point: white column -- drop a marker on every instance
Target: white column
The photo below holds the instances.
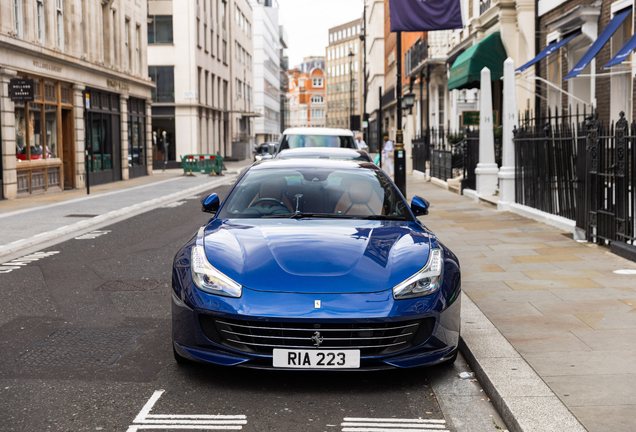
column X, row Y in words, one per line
column 123, row 109
column 7, row 145
column 507, row 171
column 486, row 171
column 80, row 131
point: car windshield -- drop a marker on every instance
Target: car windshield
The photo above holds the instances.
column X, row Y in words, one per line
column 315, row 192
column 300, row 141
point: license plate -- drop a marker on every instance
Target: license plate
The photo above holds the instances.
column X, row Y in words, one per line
column 317, row 359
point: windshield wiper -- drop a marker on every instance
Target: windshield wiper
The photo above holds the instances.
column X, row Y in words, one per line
column 299, row 215
column 383, row 217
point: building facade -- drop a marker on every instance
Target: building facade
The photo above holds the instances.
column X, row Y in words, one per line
column 284, row 66
column 89, row 109
column 267, row 70
column 579, row 24
column 306, row 95
column 374, row 41
column 200, row 57
column 344, row 57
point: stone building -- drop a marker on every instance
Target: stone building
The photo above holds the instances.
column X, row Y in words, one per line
column 344, row 76
column 91, row 93
column 200, row 57
column 375, row 66
column 306, row 94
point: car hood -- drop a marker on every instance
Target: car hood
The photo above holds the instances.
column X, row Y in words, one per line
column 316, row 255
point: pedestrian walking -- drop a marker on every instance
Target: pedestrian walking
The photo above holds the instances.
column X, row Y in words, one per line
column 387, row 156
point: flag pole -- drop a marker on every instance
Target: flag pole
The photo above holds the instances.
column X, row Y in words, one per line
column 399, row 154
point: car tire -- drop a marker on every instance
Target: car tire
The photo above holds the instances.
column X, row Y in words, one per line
column 179, row 358
column 451, row 360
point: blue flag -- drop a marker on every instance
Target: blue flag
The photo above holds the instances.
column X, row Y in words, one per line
column 425, row 15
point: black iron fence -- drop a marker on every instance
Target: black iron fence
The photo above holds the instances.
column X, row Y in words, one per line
column 574, row 166
column 471, row 159
column 421, row 153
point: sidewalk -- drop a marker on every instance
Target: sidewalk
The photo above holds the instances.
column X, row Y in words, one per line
column 34, row 221
column 557, row 301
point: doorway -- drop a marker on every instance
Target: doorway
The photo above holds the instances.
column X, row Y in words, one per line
column 68, row 148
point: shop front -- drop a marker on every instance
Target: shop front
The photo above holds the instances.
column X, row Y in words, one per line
column 44, row 138
column 137, row 158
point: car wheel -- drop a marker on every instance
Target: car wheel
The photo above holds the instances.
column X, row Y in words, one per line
column 179, row 358
column 451, row 360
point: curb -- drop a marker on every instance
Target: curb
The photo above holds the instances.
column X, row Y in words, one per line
column 20, row 247
column 522, row 399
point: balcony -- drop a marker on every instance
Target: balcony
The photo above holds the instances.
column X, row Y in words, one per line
column 484, row 5
column 415, row 55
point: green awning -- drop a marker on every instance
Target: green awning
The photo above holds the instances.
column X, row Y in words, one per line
column 466, row 71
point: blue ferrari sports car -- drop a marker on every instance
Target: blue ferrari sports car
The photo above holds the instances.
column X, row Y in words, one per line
column 315, row 264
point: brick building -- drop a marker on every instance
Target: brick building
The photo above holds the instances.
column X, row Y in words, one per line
column 579, row 23
column 306, row 95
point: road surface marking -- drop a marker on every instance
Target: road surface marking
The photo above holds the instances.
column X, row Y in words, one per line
column 358, row 424
column 18, row 263
column 145, row 420
column 92, row 235
column 174, row 204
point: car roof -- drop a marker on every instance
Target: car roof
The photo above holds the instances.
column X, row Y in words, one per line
column 318, row 131
column 322, row 151
column 284, row 164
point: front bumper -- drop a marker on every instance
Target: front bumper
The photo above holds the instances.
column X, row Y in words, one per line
column 190, row 340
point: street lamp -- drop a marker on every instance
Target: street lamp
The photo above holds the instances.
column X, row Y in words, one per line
column 408, row 100
column 350, row 87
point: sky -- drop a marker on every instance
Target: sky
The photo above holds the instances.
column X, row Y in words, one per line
column 307, row 23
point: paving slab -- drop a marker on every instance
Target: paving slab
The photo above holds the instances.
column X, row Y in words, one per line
column 568, row 320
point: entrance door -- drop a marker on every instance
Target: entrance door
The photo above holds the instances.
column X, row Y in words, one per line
column 68, row 148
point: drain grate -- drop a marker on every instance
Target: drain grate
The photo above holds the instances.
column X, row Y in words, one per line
column 82, row 215
column 81, row 347
column 131, row 285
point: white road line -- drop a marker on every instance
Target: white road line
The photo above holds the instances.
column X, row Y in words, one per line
column 382, row 429
column 405, row 425
column 392, row 420
column 194, row 422
column 146, row 409
column 146, row 420
column 135, row 428
column 196, row 416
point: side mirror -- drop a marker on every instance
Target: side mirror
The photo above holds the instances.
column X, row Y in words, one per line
column 271, row 149
column 419, row 206
column 210, row 204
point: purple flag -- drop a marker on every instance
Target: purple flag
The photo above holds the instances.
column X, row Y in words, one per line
column 425, row 15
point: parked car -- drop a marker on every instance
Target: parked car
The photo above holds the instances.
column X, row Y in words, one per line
column 315, row 264
column 325, row 153
column 264, row 151
column 316, row 137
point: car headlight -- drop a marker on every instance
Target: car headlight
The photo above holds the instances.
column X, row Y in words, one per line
column 209, row 279
column 424, row 282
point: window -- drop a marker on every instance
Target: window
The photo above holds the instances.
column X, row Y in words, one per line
column 317, row 99
column 355, row 66
column 82, row 29
column 59, row 16
column 330, row 37
column 207, row 100
column 358, row 29
column 160, row 29
column 212, row 90
column 205, row 37
column 317, row 82
column 355, row 48
column 198, row 32
column 39, row 10
column 346, row 65
column 17, row 17
column 163, row 77
column 237, row 14
column 138, row 49
column 127, row 44
column 303, row 113
column 212, row 42
column 339, row 34
column 224, row 52
column 349, row 32
column 223, row 13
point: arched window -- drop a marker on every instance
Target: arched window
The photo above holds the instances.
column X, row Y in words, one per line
column 317, row 99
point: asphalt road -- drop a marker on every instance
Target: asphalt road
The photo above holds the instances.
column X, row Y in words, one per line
column 85, row 344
